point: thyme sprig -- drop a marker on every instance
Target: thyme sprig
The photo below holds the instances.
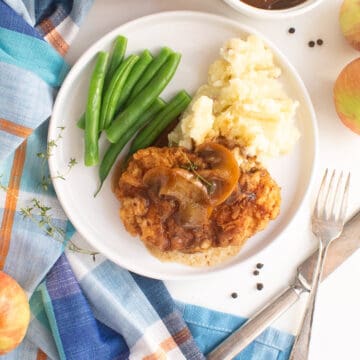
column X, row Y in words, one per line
column 47, row 179
column 192, row 167
column 51, row 145
column 2, row 186
column 40, row 215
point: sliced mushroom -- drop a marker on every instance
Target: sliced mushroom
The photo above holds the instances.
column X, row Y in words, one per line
column 224, row 171
column 194, row 205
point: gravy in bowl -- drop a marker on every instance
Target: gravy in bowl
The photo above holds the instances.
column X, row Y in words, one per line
column 273, row 4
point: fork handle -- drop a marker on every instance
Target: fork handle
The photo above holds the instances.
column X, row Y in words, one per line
column 300, row 350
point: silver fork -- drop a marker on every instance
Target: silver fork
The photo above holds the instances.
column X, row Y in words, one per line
column 327, row 224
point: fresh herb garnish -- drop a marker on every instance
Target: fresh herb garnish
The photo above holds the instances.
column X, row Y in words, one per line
column 2, row 186
column 192, row 167
column 72, row 162
column 51, row 145
column 40, row 215
column 46, row 179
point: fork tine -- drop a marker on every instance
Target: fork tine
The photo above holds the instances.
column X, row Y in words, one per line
column 336, row 199
column 329, row 195
column 319, row 201
column 344, row 201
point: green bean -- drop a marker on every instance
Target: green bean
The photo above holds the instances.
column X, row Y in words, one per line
column 117, row 56
column 114, row 149
column 143, row 100
column 112, row 93
column 150, row 72
column 145, row 59
column 93, row 105
column 154, row 128
column 81, row 122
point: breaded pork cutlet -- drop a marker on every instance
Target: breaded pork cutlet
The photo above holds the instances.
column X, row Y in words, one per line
column 207, row 236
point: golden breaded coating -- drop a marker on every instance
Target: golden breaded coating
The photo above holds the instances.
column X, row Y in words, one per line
column 253, row 203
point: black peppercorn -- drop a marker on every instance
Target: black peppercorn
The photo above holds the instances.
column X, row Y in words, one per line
column 291, row 30
column 259, row 286
column 319, row 41
column 234, row 295
column 311, row 43
column 256, row 272
column 259, row 265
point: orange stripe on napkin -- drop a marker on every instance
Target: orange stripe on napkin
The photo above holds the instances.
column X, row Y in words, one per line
column 10, row 202
column 41, row 355
column 158, row 355
column 169, row 344
column 14, row 129
column 53, row 37
column 182, row 336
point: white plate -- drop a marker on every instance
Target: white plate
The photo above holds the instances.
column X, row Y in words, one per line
column 198, row 37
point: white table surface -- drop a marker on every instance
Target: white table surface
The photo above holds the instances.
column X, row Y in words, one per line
column 336, row 331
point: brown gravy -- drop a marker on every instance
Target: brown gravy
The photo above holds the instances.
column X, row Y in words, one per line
column 273, row 4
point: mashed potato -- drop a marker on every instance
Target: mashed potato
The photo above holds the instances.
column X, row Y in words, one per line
column 242, row 101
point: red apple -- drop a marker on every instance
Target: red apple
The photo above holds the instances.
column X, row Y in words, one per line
column 350, row 22
column 347, row 96
column 14, row 313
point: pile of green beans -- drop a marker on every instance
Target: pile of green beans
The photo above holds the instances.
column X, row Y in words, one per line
column 144, row 99
column 123, row 99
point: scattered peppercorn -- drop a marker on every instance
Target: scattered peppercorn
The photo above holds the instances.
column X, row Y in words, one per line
column 320, row 41
column 234, row 295
column 311, row 43
column 256, row 272
column 259, row 286
column 291, row 30
column 259, row 265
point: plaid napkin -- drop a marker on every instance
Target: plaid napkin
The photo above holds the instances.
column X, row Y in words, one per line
column 82, row 307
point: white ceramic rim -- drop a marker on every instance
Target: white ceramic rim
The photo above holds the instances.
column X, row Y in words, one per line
column 84, row 59
column 253, row 11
